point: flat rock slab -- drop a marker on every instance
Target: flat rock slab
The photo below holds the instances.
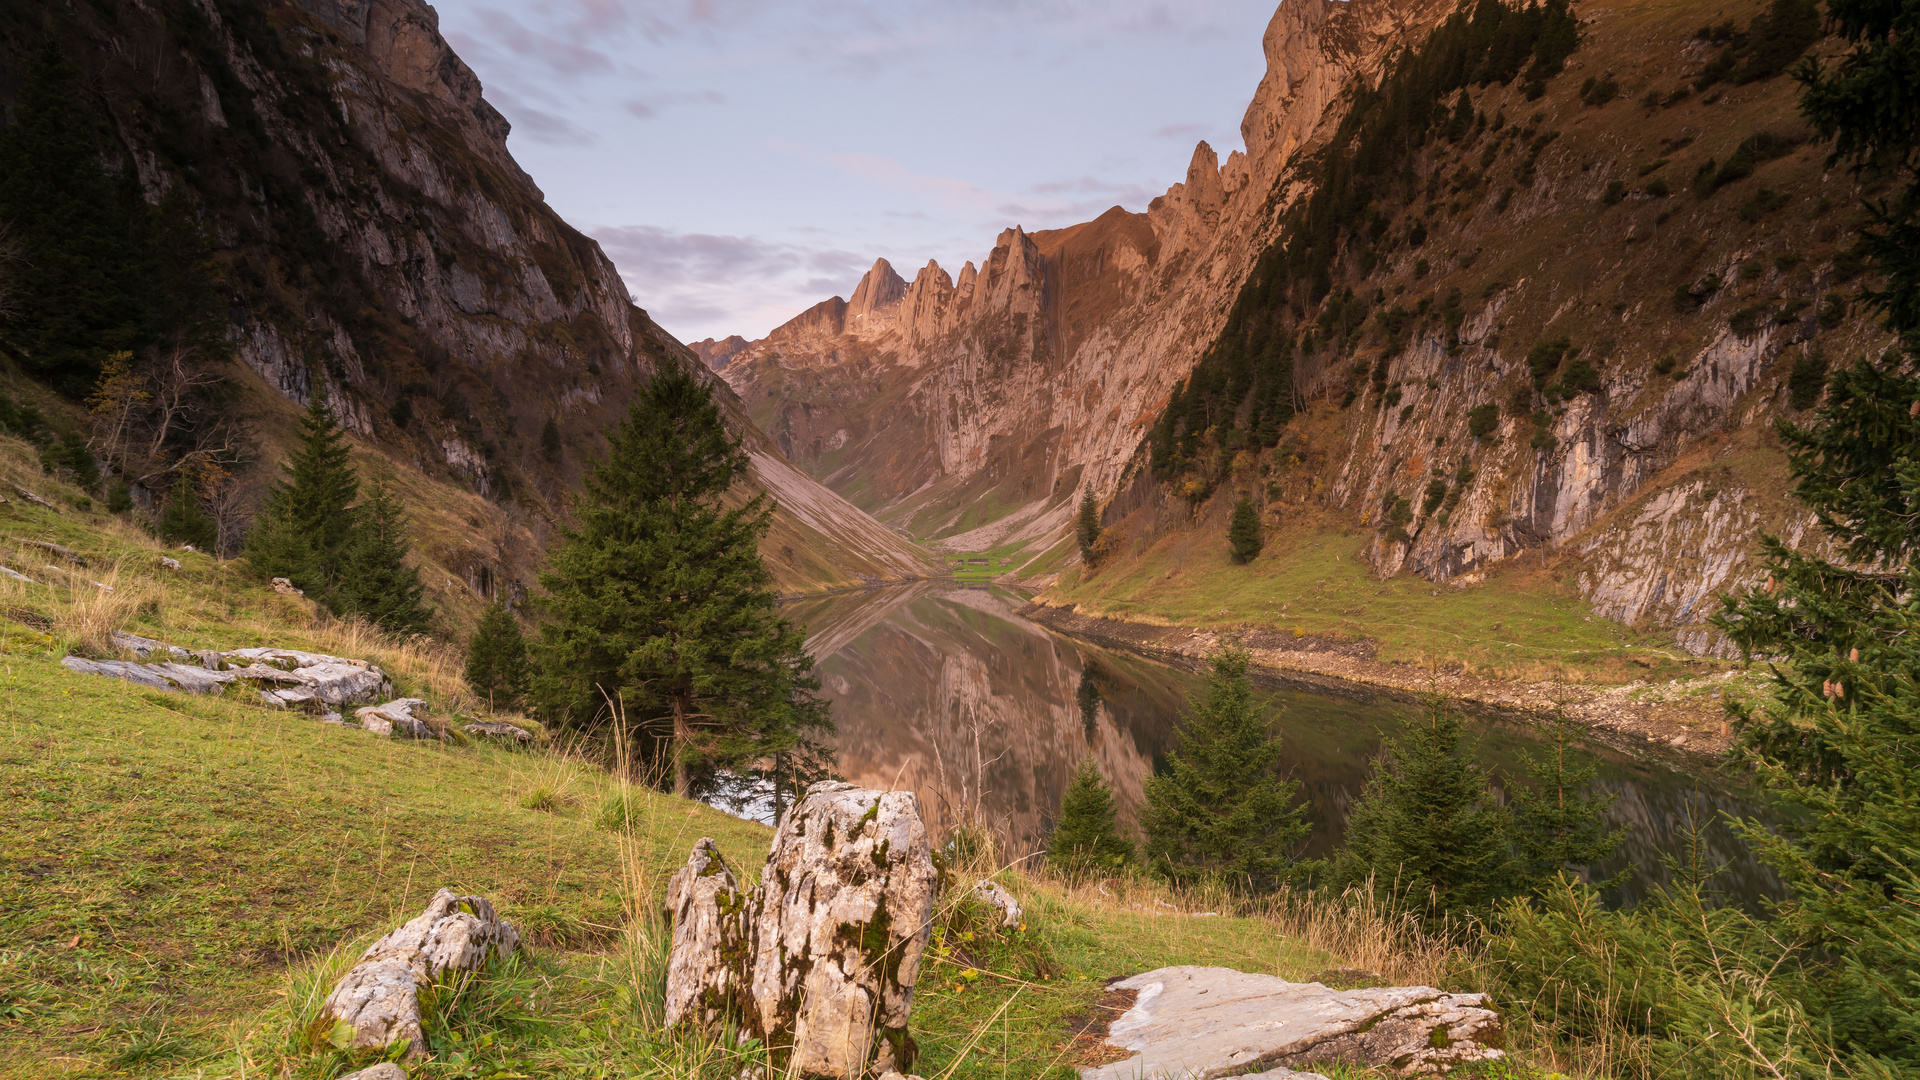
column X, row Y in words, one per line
column 1199, row 1023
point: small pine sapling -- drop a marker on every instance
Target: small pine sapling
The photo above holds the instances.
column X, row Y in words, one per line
column 1086, row 840
column 497, row 659
column 1243, row 533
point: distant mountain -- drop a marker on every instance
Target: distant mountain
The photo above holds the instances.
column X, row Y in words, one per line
column 715, row 354
column 1558, row 310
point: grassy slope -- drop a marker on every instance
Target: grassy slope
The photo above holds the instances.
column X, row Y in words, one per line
column 1525, row 620
column 181, row 877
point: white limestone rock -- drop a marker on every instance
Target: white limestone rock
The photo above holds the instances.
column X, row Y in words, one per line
column 822, row 957
column 845, row 906
column 380, row 997
column 395, row 716
column 1207, row 1022
column 706, row 968
column 990, row 892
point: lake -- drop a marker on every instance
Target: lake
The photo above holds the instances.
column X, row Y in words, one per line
column 946, row 691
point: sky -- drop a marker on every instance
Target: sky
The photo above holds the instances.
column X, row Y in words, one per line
column 742, row 160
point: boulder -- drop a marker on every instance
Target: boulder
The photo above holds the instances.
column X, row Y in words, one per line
column 1206, row 1022
column 334, row 680
column 706, row 969
column 990, row 892
column 825, row 951
column 144, row 647
column 287, row 588
column 386, row 1070
column 379, row 999
column 163, row 676
column 497, row 729
column 396, row 715
column 845, row 906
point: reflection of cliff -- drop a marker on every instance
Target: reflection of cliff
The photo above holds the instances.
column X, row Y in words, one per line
column 947, row 694
column 954, row 698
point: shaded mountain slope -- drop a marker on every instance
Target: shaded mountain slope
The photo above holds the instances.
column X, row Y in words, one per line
column 372, row 236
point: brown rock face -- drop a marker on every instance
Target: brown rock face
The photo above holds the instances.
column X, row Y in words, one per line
column 1015, row 384
column 974, row 418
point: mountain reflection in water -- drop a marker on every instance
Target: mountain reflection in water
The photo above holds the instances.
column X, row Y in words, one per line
column 945, row 691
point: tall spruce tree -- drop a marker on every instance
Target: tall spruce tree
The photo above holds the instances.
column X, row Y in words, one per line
column 306, row 522
column 659, row 601
column 1223, row 808
column 376, row 582
column 1087, row 526
column 1841, row 737
column 1427, row 829
column 1243, row 532
column 1086, row 837
column 497, row 659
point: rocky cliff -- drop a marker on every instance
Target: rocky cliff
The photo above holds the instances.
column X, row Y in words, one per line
column 1562, row 321
column 375, row 238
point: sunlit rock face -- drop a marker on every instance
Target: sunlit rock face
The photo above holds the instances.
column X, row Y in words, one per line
column 972, row 407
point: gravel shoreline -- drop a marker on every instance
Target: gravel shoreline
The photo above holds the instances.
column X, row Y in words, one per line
column 1348, row 669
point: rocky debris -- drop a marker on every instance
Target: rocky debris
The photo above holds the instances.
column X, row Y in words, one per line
column 827, row 948
column 495, row 729
column 1207, row 1022
column 990, row 892
column 379, row 999
column 57, row 550
column 169, row 563
column 396, row 715
column 283, row 586
column 287, row 678
column 144, row 647
column 705, row 976
column 334, row 680
column 34, row 499
column 386, row 1070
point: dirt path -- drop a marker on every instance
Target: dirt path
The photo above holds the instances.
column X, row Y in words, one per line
column 1341, row 667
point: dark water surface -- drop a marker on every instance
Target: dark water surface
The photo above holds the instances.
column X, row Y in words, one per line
column 945, row 691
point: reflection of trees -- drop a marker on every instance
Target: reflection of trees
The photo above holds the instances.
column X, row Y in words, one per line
column 984, row 716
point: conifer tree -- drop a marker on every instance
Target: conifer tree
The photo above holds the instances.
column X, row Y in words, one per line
column 660, row 602
column 306, row 521
column 1086, row 838
column 1841, row 738
column 1243, row 533
column 1560, row 820
column 1087, row 527
column 1222, row 808
column 184, row 522
column 1427, row 828
column 497, row 659
column 375, row 580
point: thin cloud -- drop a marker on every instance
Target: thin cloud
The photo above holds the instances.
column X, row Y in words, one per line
column 699, row 284
column 1182, row 131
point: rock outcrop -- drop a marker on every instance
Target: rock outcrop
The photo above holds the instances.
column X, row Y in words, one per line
column 820, row 959
column 1205, row 1022
column 379, row 999
column 286, row 678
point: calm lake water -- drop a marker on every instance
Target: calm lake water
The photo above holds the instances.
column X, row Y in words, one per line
column 945, row 691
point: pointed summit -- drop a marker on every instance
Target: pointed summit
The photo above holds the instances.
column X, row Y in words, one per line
column 879, row 290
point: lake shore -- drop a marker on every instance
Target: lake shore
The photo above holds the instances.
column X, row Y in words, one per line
column 1632, row 716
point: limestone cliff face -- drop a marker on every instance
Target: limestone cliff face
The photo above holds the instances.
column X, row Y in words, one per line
column 376, row 237
column 974, row 414
column 972, row 410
